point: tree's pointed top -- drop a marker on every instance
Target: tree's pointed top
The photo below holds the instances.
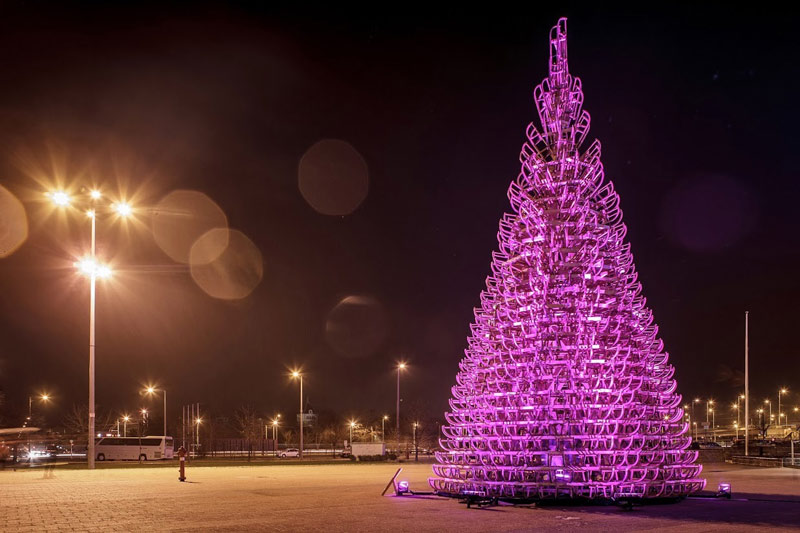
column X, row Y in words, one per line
column 559, row 68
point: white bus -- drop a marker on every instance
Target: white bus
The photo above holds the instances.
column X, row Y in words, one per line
column 133, row 448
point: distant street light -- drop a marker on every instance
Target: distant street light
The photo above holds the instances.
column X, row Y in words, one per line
column 383, row 427
column 352, row 425
column 400, row 366
column 90, row 267
column 781, row 392
column 42, row 397
column 770, row 410
column 275, row 433
column 125, row 419
column 416, row 450
column 297, row 375
column 713, row 426
column 197, row 422
column 152, row 390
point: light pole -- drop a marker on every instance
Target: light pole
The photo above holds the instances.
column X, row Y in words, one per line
column 93, row 270
column 709, row 403
column 780, row 393
column 152, row 390
column 736, row 408
column 44, row 397
column 746, row 383
column 796, row 409
column 400, row 366
column 352, row 425
column 298, row 375
column 416, row 450
column 275, row 434
column 770, row 410
column 125, row 419
column 383, row 427
column 713, row 426
column 197, row 423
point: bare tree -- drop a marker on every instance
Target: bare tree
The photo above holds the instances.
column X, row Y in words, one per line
column 76, row 421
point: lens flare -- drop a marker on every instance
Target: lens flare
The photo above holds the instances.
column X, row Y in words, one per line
column 13, row 223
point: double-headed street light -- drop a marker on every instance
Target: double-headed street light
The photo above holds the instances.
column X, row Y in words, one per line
column 781, row 392
column 298, row 375
column 152, row 390
column 91, row 268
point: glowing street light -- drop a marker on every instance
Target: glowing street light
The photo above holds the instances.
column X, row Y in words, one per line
column 781, row 392
column 416, row 450
column 42, row 397
column 400, row 366
column 91, row 268
column 60, row 198
column 383, row 427
column 123, row 209
column 152, row 390
column 352, row 425
column 297, row 375
column 197, row 422
column 275, row 432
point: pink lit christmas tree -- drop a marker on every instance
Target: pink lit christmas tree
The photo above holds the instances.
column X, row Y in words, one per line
column 565, row 390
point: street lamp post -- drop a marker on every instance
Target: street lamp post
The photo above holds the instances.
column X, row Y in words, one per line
column 352, row 425
column 400, row 366
column 416, row 449
column 43, row 397
column 770, row 410
column 125, row 425
column 709, row 403
column 275, row 434
column 298, row 375
column 713, row 426
column 781, row 392
column 91, row 268
column 383, row 427
column 153, row 390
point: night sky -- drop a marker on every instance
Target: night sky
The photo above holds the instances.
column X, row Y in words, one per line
column 696, row 110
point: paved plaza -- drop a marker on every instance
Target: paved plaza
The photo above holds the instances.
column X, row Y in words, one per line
column 346, row 497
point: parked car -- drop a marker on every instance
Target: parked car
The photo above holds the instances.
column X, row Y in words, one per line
column 709, row 445
column 290, row 452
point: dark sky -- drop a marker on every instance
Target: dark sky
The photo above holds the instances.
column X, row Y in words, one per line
column 696, row 110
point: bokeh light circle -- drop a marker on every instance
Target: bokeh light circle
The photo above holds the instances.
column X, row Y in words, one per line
column 356, row 327
column 234, row 273
column 181, row 218
column 13, row 223
column 333, row 177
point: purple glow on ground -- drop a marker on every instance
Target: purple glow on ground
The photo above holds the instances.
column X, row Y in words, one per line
column 565, row 390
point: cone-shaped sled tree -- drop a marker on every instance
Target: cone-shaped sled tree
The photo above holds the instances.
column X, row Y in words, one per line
column 565, row 390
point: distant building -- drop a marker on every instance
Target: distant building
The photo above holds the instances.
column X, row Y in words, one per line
column 310, row 419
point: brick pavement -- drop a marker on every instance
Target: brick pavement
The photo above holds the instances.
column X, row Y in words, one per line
column 346, row 497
